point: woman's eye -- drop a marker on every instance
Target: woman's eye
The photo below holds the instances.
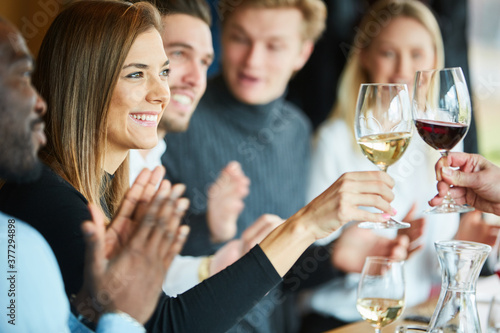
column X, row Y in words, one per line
column 416, row 55
column 165, row 72
column 135, row 75
column 275, row 47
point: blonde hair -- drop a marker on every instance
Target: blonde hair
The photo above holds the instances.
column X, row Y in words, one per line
column 78, row 66
column 313, row 12
column 377, row 17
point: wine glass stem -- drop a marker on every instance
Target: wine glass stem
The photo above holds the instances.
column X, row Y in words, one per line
column 447, row 198
column 377, row 330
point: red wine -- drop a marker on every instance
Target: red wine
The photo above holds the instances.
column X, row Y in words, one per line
column 440, row 135
column 498, row 273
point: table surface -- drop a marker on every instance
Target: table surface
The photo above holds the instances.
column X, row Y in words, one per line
column 486, row 288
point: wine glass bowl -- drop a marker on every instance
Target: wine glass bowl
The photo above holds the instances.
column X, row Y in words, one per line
column 442, row 114
column 383, row 130
column 381, row 291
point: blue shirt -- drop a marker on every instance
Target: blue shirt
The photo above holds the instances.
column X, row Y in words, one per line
column 32, row 297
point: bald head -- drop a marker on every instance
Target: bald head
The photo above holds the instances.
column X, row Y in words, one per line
column 21, row 109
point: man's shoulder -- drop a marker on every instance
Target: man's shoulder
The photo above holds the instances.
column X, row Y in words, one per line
column 26, row 234
column 302, row 117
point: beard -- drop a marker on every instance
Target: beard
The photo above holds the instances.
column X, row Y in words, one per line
column 173, row 125
column 19, row 162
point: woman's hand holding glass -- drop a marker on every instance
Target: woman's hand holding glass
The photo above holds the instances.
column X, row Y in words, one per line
column 383, row 130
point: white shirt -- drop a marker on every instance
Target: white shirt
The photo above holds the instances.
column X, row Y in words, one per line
column 31, row 285
column 183, row 273
column 152, row 160
column 335, row 154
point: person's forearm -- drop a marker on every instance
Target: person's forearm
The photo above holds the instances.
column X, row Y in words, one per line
column 286, row 243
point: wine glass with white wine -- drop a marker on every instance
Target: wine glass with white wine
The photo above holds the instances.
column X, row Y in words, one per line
column 381, row 291
column 383, row 129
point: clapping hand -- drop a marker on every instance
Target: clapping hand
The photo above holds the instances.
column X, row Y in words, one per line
column 125, row 272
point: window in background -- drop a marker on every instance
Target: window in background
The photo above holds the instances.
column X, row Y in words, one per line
column 484, row 55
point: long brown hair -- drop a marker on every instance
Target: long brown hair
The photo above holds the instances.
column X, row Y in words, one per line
column 78, row 66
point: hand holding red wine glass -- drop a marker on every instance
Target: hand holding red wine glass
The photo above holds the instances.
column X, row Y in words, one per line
column 442, row 114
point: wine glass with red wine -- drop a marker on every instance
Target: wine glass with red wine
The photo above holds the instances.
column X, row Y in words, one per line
column 442, row 115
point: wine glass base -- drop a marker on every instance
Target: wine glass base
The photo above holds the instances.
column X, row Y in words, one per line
column 391, row 224
column 449, row 208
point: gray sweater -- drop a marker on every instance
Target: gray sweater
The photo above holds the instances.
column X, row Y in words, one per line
column 272, row 143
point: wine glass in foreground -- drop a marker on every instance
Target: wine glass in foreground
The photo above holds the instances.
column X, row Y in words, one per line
column 442, row 114
column 381, row 291
column 383, row 129
column 495, row 256
column 493, row 325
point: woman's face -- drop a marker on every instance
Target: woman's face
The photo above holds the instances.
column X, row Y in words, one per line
column 140, row 96
column 403, row 47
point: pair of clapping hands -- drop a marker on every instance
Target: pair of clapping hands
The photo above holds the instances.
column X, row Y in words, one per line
column 126, row 263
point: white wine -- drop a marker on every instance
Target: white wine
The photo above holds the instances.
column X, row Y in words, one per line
column 386, row 148
column 379, row 311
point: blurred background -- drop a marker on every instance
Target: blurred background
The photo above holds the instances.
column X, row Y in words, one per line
column 484, row 55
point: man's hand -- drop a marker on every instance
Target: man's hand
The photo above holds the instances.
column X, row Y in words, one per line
column 474, row 229
column 477, row 182
column 415, row 231
column 225, row 202
column 237, row 248
column 129, row 278
column 355, row 244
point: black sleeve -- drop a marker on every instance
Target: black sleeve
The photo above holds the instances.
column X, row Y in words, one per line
column 218, row 303
column 56, row 210
column 312, row 269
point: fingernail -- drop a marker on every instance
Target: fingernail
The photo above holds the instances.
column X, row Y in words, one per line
column 182, row 204
column 177, row 191
column 183, row 230
column 88, row 232
column 447, row 171
column 386, row 216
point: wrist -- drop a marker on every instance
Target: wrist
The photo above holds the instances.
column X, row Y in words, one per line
column 83, row 311
column 204, row 268
column 124, row 317
column 285, row 244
